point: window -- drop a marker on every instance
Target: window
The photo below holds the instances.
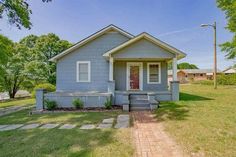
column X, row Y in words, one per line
column 83, row 71
column 153, row 73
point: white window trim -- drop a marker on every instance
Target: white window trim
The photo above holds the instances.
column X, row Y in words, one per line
column 77, row 71
column 140, row 64
column 159, row 65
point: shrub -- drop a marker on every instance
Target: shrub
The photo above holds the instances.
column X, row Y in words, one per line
column 226, row 79
column 221, row 80
column 108, row 104
column 47, row 86
column 79, row 104
column 50, row 105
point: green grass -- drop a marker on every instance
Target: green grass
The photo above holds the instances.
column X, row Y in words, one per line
column 77, row 118
column 203, row 121
column 17, row 102
column 60, row 143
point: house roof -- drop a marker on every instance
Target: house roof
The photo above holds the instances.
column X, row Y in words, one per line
column 150, row 38
column 230, row 70
column 90, row 38
column 194, row 71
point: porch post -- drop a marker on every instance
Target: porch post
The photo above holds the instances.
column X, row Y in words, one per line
column 174, row 69
column 111, row 68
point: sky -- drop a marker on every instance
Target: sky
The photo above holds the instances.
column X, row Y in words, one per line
column 176, row 22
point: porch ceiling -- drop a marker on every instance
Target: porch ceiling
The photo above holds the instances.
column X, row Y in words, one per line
column 143, row 59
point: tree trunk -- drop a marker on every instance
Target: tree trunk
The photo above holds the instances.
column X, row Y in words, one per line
column 12, row 94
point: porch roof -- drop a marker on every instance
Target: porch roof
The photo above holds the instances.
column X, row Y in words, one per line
column 151, row 39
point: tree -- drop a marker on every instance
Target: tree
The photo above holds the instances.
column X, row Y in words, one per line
column 26, row 63
column 186, row 66
column 183, row 65
column 229, row 8
column 41, row 49
column 17, row 12
column 6, row 46
column 12, row 72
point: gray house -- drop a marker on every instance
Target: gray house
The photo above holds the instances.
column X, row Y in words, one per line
column 114, row 64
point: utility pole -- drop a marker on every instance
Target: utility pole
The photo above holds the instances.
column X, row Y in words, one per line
column 215, row 54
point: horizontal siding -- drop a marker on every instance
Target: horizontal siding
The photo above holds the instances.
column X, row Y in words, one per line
column 120, row 76
column 93, row 51
column 143, row 49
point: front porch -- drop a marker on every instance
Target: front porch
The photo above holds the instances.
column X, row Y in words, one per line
column 145, row 99
column 139, row 90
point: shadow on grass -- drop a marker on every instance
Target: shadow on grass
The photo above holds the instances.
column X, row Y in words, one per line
column 54, row 142
column 171, row 111
column 191, row 97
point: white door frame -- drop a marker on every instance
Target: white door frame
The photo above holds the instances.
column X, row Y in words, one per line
column 140, row 64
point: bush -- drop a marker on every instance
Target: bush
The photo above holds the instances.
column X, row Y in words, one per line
column 50, row 105
column 221, row 80
column 226, row 79
column 108, row 104
column 79, row 104
column 47, row 86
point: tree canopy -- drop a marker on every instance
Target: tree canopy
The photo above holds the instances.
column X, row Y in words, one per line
column 6, row 47
column 26, row 64
column 41, row 49
column 17, row 12
column 12, row 73
column 184, row 65
column 229, row 8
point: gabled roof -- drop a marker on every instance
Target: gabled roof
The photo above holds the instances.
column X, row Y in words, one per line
column 154, row 40
column 90, row 38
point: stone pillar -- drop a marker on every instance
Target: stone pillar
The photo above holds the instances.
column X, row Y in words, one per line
column 174, row 87
column 152, row 100
column 125, row 102
column 39, row 99
column 111, row 89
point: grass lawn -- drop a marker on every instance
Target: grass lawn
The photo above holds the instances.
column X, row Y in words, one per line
column 203, row 121
column 17, row 102
column 71, row 143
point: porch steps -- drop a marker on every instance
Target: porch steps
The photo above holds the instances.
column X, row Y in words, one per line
column 139, row 102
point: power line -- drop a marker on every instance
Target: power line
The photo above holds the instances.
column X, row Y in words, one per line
column 178, row 31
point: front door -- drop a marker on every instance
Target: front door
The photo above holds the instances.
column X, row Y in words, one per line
column 134, row 76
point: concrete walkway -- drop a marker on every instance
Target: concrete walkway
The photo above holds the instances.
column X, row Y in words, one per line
column 122, row 121
column 150, row 139
column 8, row 110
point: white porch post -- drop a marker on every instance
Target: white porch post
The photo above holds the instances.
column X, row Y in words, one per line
column 174, row 69
column 111, row 69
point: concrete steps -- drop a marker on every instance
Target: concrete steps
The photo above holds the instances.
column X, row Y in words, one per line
column 139, row 102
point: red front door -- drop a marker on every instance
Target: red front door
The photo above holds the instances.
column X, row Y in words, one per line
column 134, row 77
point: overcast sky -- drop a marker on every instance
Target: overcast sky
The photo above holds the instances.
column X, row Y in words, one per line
column 176, row 22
